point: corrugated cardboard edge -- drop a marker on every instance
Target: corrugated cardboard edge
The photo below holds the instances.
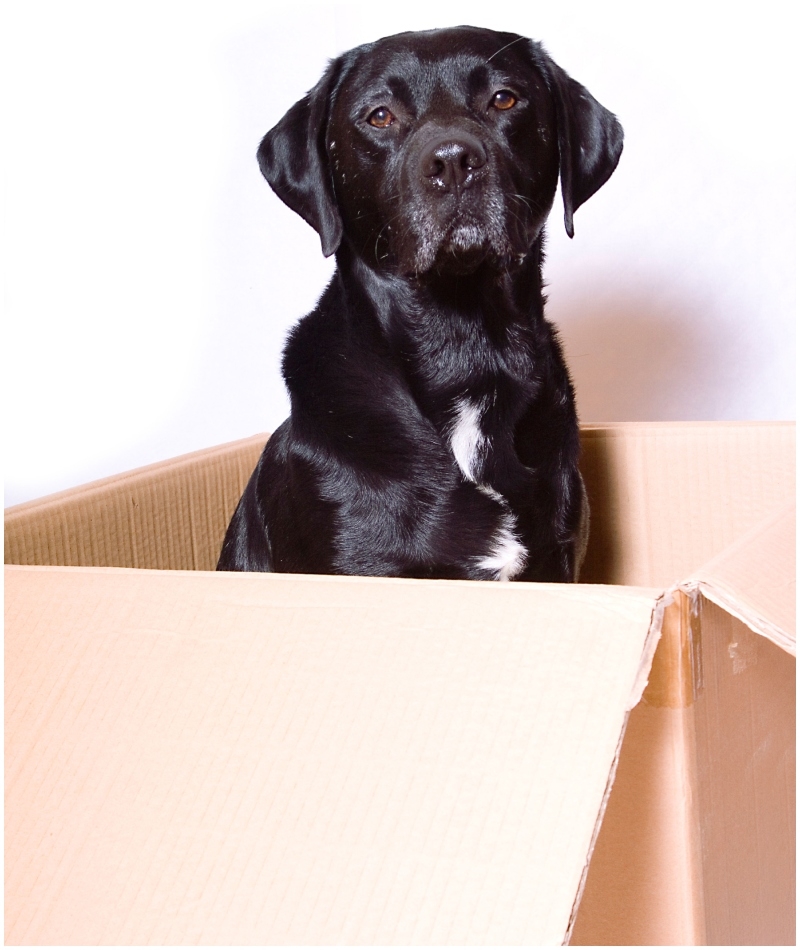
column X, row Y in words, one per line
column 151, row 472
column 642, row 677
column 650, row 646
column 168, row 515
column 730, row 602
column 724, row 579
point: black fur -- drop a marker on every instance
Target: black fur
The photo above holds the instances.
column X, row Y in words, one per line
column 432, row 190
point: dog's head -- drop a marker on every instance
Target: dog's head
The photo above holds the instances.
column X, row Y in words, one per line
column 440, row 150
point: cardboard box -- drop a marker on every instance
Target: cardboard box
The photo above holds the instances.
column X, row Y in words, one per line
column 210, row 758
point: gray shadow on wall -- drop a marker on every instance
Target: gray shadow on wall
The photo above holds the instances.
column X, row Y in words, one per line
column 634, row 358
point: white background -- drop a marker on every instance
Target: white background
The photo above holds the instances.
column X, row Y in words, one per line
column 151, row 275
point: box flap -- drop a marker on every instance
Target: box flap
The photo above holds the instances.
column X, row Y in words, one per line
column 744, row 784
column 218, row 758
column 170, row 515
column 697, row 845
column 754, row 578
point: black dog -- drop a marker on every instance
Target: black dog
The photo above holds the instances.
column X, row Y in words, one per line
column 433, row 430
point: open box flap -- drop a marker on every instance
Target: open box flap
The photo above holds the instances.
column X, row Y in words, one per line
column 222, row 758
column 754, row 578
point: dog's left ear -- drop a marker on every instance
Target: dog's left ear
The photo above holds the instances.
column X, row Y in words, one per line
column 293, row 159
column 589, row 142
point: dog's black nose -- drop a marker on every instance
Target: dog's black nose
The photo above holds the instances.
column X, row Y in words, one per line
column 450, row 162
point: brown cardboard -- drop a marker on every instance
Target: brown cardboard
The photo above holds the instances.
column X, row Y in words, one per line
column 746, row 771
column 167, row 516
column 665, row 499
column 763, row 599
column 668, row 497
column 697, row 842
column 205, row 758
column 296, row 769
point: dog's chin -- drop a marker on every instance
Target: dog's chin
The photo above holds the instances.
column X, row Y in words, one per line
column 459, row 252
column 454, row 260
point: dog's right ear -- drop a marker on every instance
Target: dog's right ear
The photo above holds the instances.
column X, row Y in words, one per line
column 293, row 159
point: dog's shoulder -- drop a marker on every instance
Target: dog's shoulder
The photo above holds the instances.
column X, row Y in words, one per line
column 326, row 354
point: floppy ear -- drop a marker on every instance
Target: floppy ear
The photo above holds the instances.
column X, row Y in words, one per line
column 293, row 159
column 589, row 142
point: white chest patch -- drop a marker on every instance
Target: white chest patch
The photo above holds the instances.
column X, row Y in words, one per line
column 507, row 556
column 467, row 441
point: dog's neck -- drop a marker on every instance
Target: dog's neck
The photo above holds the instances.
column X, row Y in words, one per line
column 456, row 336
column 405, row 307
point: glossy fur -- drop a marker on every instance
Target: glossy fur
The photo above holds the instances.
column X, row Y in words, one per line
column 433, row 430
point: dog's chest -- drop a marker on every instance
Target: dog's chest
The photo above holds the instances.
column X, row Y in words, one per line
column 479, row 436
column 468, row 442
column 471, row 445
column 474, row 382
column 478, row 426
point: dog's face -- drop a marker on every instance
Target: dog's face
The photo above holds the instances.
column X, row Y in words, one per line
column 440, row 151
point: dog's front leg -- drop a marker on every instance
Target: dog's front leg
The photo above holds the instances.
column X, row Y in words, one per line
column 437, row 527
column 551, row 519
column 475, row 536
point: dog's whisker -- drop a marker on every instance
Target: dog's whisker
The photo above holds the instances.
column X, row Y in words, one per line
column 519, row 39
column 385, row 227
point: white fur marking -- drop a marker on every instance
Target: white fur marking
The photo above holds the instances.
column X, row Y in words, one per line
column 491, row 493
column 466, row 439
column 507, row 556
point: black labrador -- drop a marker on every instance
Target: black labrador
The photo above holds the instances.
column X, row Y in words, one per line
column 433, row 430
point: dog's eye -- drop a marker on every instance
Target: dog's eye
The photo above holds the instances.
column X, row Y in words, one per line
column 504, row 100
column 380, row 118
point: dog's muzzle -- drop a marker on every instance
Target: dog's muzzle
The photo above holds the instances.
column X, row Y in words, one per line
column 454, row 210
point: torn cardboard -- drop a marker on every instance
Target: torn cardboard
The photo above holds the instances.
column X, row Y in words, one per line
column 204, row 758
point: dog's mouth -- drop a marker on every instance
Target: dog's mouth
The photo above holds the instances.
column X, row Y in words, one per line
column 461, row 252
